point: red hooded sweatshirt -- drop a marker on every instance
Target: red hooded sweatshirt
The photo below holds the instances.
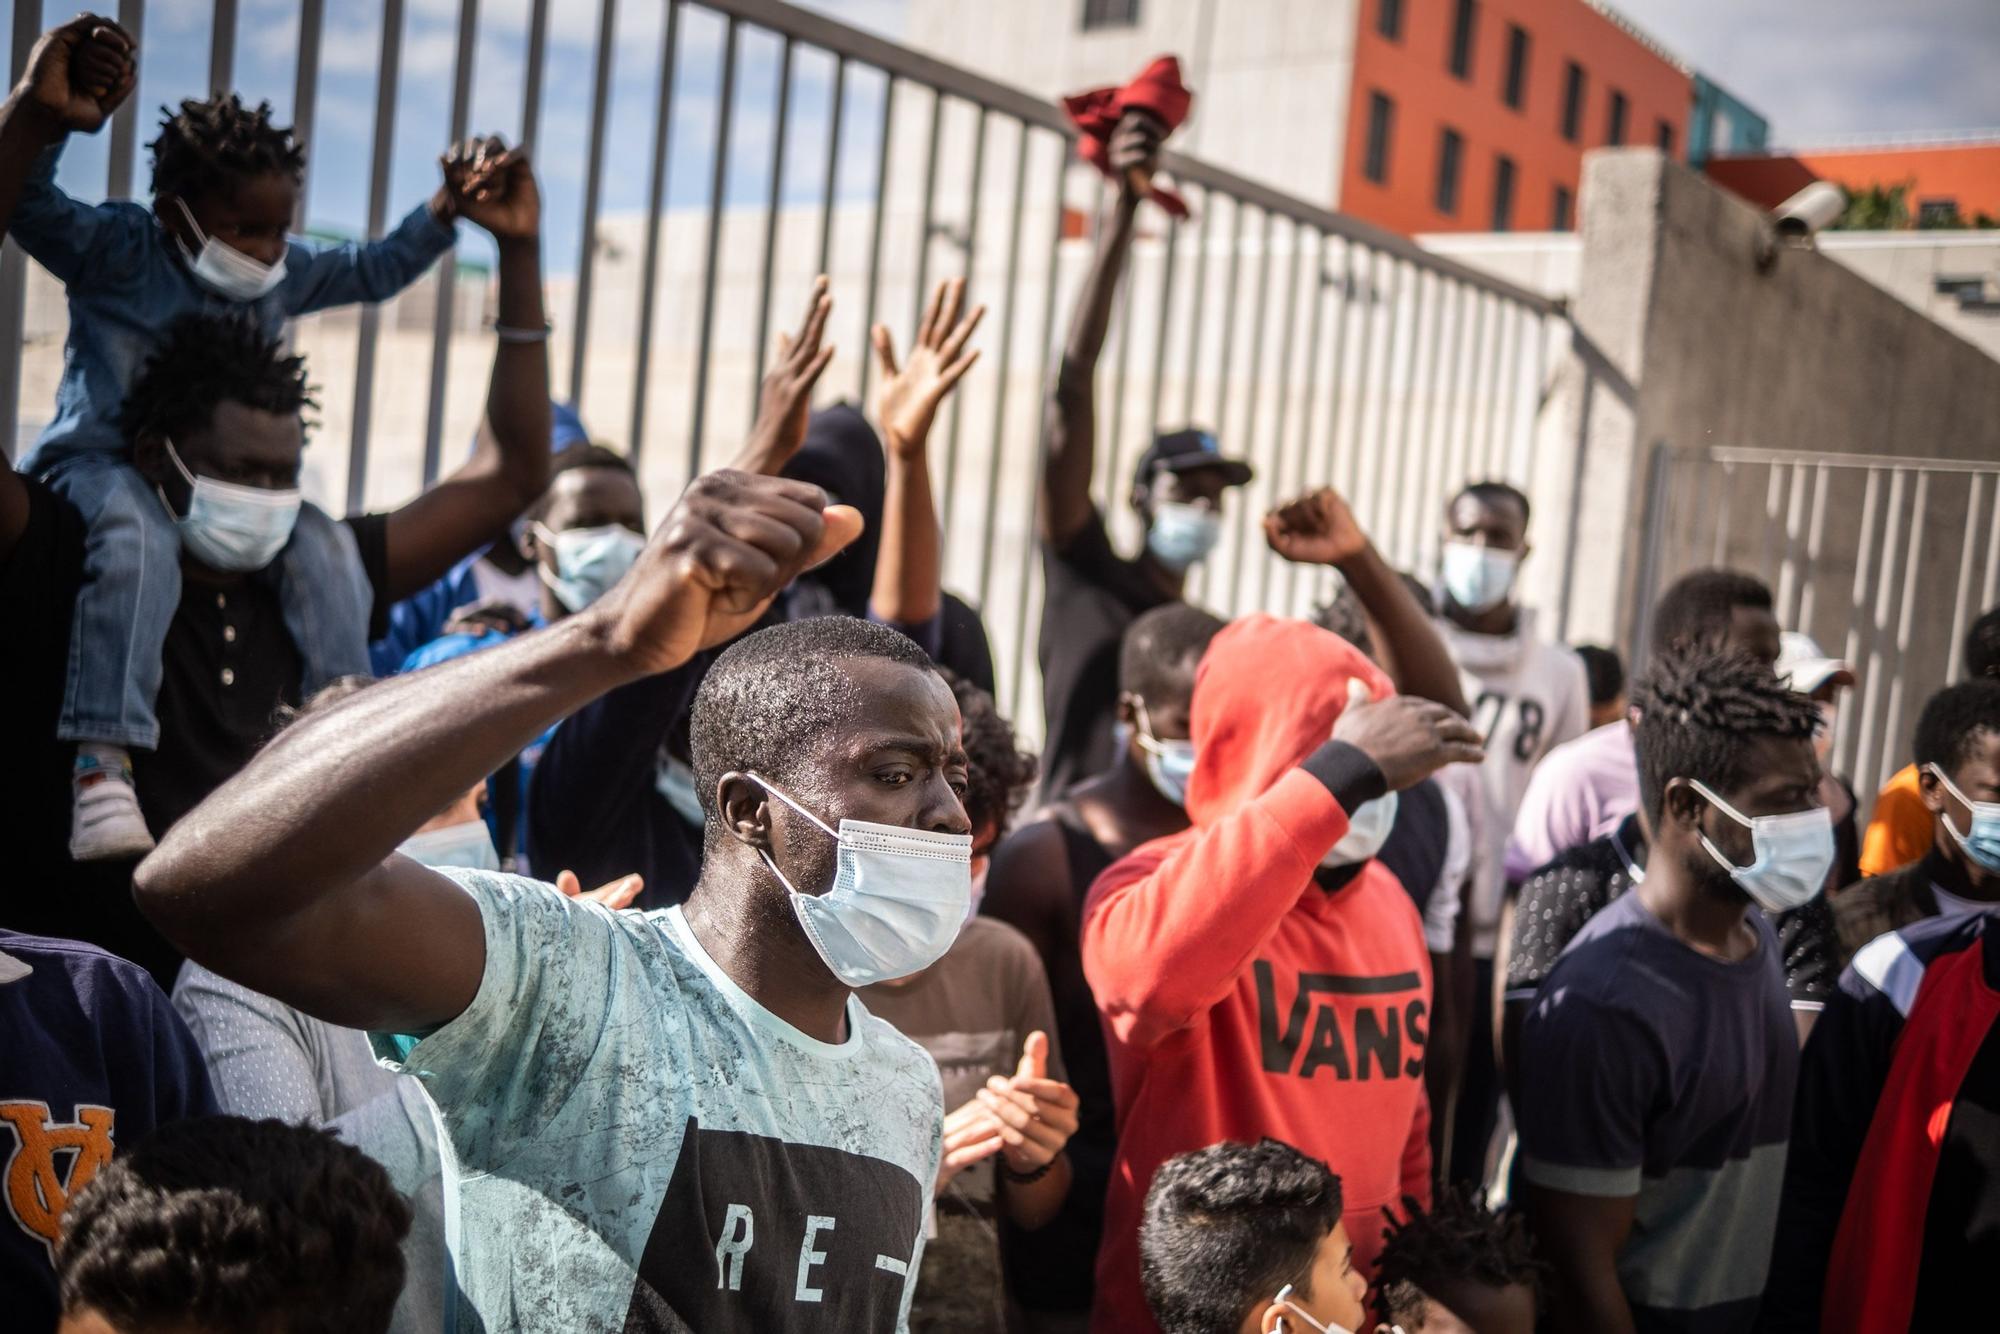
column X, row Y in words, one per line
column 1239, row 997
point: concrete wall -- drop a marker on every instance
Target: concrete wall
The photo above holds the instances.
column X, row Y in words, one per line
column 1684, row 341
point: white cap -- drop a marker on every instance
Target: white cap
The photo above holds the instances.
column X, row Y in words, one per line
column 1805, row 666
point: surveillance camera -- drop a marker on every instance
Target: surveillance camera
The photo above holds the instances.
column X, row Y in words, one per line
column 1809, row 210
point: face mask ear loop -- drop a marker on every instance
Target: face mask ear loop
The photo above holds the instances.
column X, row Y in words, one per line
column 1147, row 741
column 758, row 779
column 200, row 236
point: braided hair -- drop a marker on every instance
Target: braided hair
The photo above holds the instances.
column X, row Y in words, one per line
column 214, row 145
column 1699, row 705
column 205, row 360
column 1457, row 1239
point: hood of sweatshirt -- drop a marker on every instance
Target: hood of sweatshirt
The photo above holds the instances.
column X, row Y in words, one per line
column 1266, row 695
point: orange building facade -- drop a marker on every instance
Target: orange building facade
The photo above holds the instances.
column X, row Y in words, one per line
column 1962, row 178
column 1474, row 115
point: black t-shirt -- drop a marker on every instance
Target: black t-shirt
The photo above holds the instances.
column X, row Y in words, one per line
column 210, row 725
column 1557, row 900
column 1414, row 852
column 1090, row 595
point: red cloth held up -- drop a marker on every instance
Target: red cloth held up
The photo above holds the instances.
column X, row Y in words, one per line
column 1159, row 91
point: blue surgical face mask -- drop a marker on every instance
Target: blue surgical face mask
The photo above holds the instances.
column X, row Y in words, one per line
column 1479, row 578
column 1182, row 535
column 225, row 270
column 588, row 561
column 1794, row 853
column 897, row 899
column 1169, row 764
column 1982, row 844
column 469, row 845
column 235, row 529
column 673, row 779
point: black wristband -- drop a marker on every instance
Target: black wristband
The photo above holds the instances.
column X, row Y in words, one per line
column 1026, row 1178
column 1347, row 773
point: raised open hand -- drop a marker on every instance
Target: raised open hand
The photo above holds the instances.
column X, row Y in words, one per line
column 711, row 569
column 785, row 398
column 1316, row 529
column 80, row 73
column 906, row 401
column 494, row 185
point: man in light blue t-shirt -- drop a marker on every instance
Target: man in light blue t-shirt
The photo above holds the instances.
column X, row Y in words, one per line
column 663, row 1121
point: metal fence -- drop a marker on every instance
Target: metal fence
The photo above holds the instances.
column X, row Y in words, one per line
column 1893, row 593
column 1320, row 347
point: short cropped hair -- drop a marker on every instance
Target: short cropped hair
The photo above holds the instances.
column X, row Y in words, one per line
column 1982, row 645
column 1156, row 659
column 1495, row 493
column 1458, row 1239
column 1952, row 721
column 999, row 773
column 1699, row 607
column 216, row 144
column 773, row 694
column 1603, row 669
column 236, row 1227
column 581, row 455
column 1228, row 1226
column 1699, row 707
column 206, row 360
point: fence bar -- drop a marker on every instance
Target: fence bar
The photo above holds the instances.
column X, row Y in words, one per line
column 1871, row 684
column 593, row 184
column 1992, row 591
column 1369, row 495
column 972, row 195
column 446, row 273
column 1195, row 324
column 1815, row 539
column 1790, row 579
column 649, row 264
column 999, row 439
column 1913, row 559
column 711, row 263
column 1110, row 447
column 875, row 233
column 1022, row 639
column 222, row 47
column 1166, row 323
column 1281, row 488
column 1400, row 525
column 13, row 260
column 531, row 89
column 125, row 121
column 1247, row 515
column 836, row 112
column 378, row 211
column 1453, row 298
column 760, row 348
column 1348, row 463
column 1961, row 612
column 1320, row 290
column 929, row 215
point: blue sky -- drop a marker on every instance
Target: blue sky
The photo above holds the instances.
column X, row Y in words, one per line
column 1815, row 67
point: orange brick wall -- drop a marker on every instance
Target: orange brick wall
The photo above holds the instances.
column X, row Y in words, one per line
column 1415, row 73
column 1968, row 173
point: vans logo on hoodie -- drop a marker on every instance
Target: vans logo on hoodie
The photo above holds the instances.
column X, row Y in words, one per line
column 1376, row 1039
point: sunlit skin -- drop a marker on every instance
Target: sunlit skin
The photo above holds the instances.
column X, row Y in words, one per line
column 1977, row 777
column 253, row 219
column 1339, row 1293
column 1497, row 524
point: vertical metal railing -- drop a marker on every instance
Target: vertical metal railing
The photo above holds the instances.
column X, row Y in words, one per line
column 1893, row 593
column 1321, row 348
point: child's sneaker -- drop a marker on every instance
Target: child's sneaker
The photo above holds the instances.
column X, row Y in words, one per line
column 105, row 821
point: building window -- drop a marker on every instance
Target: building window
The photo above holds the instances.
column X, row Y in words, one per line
column 1461, row 38
column 1381, row 124
column 1614, row 128
column 1572, row 101
column 1503, row 193
column 1937, row 213
column 1665, row 138
column 1110, row 14
column 1516, row 91
column 1451, row 149
column 1560, row 213
column 1389, row 19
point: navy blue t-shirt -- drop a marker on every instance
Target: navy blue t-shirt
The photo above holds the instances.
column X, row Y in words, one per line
column 92, row 1056
column 1649, row 1069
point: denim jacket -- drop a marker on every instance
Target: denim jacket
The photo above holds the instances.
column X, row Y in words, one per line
column 128, row 282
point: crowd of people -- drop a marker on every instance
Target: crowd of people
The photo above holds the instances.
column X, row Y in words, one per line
column 1397, row 969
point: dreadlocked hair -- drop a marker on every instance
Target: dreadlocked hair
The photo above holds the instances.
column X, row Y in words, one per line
column 206, row 360
column 1699, row 704
column 1457, row 1238
column 214, row 146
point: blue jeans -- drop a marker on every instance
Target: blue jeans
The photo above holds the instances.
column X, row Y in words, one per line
column 132, row 587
